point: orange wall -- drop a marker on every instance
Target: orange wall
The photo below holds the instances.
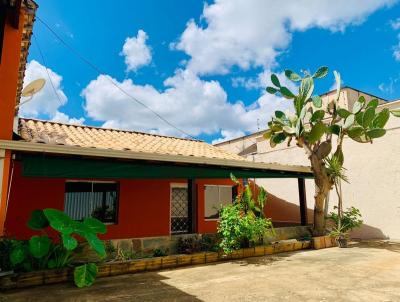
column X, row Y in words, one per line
column 9, row 76
column 9, row 67
column 144, row 205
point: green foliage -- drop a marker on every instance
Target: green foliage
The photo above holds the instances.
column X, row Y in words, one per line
column 321, row 72
column 243, row 223
column 18, row 252
column 6, row 246
column 314, row 126
column 362, row 124
column 38, row 220
column 335, row 169
column 188, row 245
column 292, row 75
column 84, row 275
column 160, row 252
column 351, row 219
column 40, row 252
column 60, row 257
column 195, row 244
column 39, row 246
column 237, row 229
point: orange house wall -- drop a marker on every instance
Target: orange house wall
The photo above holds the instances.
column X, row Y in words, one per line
column 9, row 67
column 144, row 205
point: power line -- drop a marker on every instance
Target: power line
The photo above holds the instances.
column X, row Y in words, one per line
column 47, row 71
column 100, row 71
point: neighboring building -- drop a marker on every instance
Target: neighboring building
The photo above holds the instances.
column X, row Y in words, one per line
column 373, row 171
column 142, row 185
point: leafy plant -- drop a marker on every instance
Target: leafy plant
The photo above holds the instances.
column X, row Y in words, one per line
column 160, row 252
column 188, row 245
column 350, row 219
column 194, row 244
column 209, row 243
column 239, row 229
column 243, row 223
column 5, row 250
column 40, row 252
column 317, row 127
column 84, row 275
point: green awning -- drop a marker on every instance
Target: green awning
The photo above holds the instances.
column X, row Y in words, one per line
column 71, row 167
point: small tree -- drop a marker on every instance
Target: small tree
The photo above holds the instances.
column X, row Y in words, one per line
column 317, row 129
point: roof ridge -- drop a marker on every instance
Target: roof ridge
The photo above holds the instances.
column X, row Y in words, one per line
column 110, row 129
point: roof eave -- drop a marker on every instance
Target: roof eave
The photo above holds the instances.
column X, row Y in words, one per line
column 122, row 154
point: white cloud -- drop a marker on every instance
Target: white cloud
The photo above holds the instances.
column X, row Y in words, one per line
column 244, row 34
column 66, row 119
column 227, row 135
column 395, row 24
column 396, row 49
column 252, row 33
column 45, row 102
column 390, row 86
column 262, row 80
column 137, row 54
column 194, row 105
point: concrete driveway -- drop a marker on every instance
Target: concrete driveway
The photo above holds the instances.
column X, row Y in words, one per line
column 364, row 272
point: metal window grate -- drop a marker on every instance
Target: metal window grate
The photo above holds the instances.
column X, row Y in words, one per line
column 179, row 211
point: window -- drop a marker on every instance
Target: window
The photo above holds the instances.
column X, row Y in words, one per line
column 179, row 209
column 215, row 196
column 91, row 199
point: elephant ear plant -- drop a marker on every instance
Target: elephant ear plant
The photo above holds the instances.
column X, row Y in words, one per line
column 43, row 253
column 318, row 128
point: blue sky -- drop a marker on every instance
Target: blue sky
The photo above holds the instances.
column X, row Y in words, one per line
column 204, row 66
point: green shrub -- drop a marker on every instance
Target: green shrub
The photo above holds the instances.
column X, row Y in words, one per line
column 160, row 252
column 243, row 223
column 188, row 245
column 5, row 250
column 238, row 229
column 194, row 244
column 209, row 243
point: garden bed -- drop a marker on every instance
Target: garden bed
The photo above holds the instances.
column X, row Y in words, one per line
column 107, row 269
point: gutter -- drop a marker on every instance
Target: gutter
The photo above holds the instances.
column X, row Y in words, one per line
column 122, row 154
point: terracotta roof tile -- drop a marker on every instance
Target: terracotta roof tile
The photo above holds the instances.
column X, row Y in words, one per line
column 94, row 137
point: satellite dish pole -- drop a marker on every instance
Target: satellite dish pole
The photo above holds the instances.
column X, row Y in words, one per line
column 30, row 90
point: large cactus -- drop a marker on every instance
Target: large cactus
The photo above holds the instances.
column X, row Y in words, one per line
column 313, row 127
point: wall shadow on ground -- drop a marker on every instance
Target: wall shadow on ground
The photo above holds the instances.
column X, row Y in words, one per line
column 266, row 260
column 135, row 287
column 377, row 244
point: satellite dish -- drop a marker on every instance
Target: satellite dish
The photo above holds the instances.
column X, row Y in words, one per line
column 33, row 87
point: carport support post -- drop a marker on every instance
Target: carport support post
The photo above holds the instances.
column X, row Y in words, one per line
column 193, row 205
column 303, row 201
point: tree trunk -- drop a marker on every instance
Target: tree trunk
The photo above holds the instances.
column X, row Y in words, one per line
column 322, row 187
column 319, row 213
